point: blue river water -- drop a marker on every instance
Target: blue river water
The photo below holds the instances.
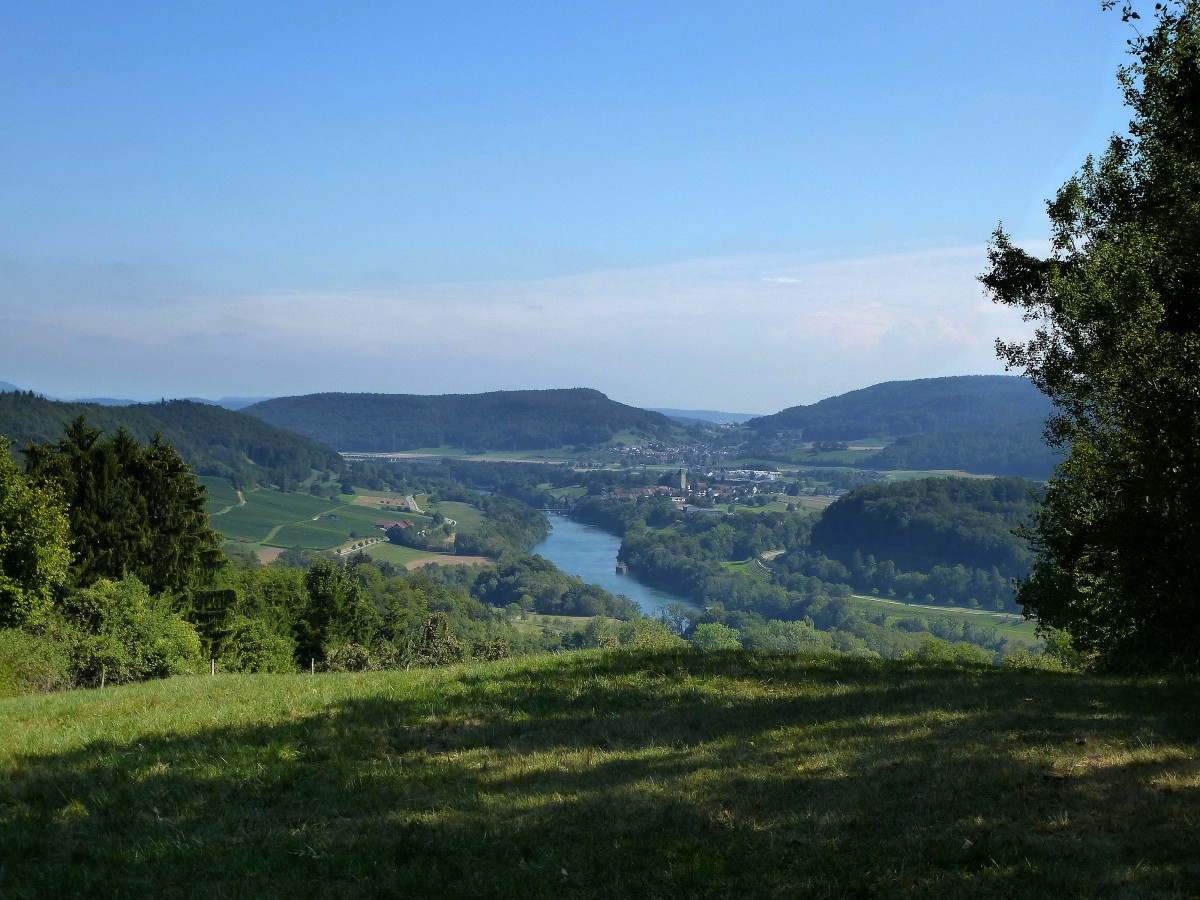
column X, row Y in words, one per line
column 591, row 553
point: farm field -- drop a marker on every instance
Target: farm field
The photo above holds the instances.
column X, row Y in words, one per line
column 555, row 456
column 273, row 519
column 265, row 511
column 220, row 493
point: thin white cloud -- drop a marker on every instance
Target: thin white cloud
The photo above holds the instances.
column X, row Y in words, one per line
column 712, row 333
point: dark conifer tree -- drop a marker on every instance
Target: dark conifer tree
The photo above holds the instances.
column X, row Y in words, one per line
column 134, row 510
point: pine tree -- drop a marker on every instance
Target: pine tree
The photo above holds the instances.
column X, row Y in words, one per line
column 133, row 510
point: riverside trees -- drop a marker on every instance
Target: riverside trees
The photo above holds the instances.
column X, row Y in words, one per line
column 1117, row 348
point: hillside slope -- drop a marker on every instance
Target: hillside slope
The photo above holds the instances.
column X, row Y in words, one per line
column 928, row 405
column 608, row 774
column 500, row 420
column 213, row 440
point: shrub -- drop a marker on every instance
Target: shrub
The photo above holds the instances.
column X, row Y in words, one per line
column 937, row 650
column 646, row 634
column 348, row 658
column 1044, row 662
column 32, row 663
column 117, row 632
column 436, row 645
column 252, row 647
column 491, row 649
column 715, row 636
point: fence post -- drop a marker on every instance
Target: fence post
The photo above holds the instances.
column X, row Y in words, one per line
column 212, row 667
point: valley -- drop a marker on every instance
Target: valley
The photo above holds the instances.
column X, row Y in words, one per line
column 663, row 490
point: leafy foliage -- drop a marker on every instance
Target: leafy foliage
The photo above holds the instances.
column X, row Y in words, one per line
column 34, row 537
column 510, row 526
column 252, row 646
column 540, row 585
column 117, row 631
column 335, row 612
column 32, row 663
column 1117, row 348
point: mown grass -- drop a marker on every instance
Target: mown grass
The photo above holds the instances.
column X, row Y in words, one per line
column 402, row 556
column 1011, row 627
column 607, row 774
column 467, row 516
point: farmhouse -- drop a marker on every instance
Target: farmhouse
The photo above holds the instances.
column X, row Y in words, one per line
column 384, row 526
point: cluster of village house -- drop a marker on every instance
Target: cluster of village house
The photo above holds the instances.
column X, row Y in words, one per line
column 659, row 453
column 719, row 486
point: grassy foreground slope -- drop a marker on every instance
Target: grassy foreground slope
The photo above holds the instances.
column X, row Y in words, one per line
column 607, row 774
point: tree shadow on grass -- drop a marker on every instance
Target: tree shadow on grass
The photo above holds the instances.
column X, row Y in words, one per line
column 670, row 774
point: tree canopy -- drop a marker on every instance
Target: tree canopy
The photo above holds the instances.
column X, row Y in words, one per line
column 1117, row 348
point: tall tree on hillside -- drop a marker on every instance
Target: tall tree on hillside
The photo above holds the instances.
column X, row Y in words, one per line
column 1117, row 347
column 335, row 612
column 134, row 510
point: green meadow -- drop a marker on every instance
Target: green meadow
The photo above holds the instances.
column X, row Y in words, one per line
column 1010, row 626
column 608, row 774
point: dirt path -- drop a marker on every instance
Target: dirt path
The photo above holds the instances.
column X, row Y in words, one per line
column 994, row 614
column 221, row 512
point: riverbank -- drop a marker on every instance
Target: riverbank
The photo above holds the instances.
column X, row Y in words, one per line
column 590, row 553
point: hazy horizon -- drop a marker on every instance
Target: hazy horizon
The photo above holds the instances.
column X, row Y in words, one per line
column 685, row 205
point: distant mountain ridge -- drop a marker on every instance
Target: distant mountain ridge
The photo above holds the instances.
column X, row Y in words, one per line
column 213, row 440
column 693, row 416
column 234, row 403
column 500, row 420
column 924, row 406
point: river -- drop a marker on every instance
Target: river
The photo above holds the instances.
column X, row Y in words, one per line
column 591, row 553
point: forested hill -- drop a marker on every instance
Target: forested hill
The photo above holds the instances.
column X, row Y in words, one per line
column 929, row 405
column 931, row 522
column 213, row 440
column 501, row 420
column 1014, row 450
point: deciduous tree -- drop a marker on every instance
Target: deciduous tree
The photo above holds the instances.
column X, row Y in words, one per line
column 34, row 554
column 1117, row 348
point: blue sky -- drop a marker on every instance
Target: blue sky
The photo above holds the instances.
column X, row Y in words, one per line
column 740, row 206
